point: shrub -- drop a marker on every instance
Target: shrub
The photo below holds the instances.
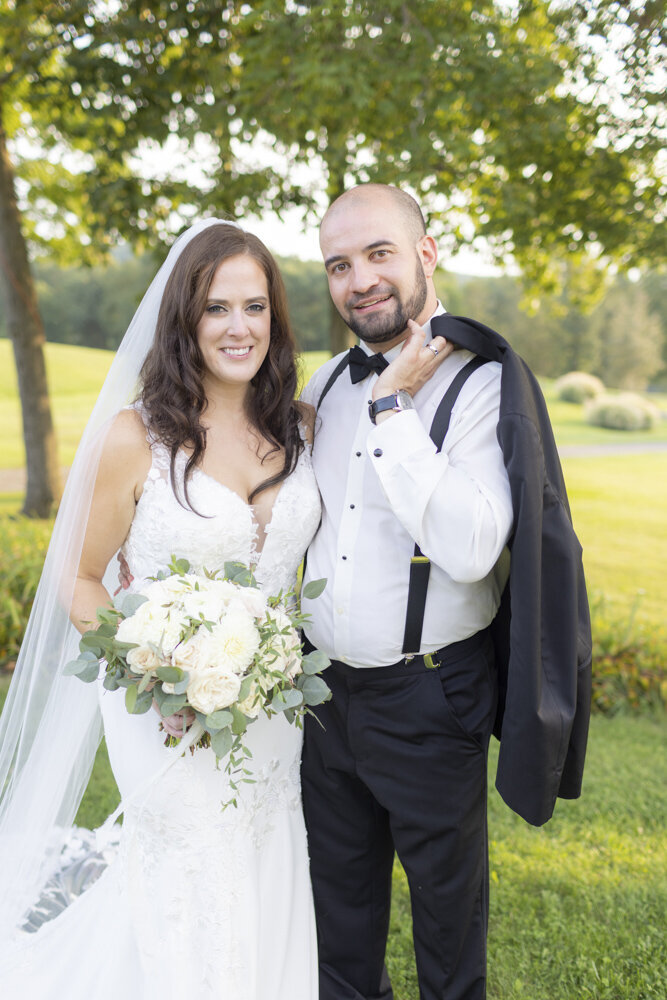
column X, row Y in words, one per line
column 624, row 412
column 629, row 664
column 23, row 544
column 577, row 387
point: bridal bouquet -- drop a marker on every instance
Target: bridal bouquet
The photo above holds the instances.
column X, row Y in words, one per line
column 214, row 644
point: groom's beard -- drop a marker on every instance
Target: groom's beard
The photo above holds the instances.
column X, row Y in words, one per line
column 380, row 328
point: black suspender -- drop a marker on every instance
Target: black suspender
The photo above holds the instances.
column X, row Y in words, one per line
column 420, row 566
column 340, row 367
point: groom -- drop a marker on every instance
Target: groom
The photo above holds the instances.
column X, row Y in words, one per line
column 399, row 763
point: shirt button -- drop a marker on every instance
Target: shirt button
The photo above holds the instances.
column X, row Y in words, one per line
column 378, row 452
column 339, row 611
column 358, row 454
column 343, row 557
column 351, row 506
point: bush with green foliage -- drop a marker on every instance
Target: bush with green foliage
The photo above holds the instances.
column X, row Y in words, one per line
column 577, row 387
column 23, row 544
column 623, row 412
column 629, row 662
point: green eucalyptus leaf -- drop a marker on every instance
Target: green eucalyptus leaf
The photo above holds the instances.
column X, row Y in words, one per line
column 239, row 721
column 315, row 662
column 313, row 589
column 171, row 674
column 219, row 720
column 314, row 689
column 130, row 603
column 131, row 698
column 143, row 703
column 172, row 703
column 221, row 743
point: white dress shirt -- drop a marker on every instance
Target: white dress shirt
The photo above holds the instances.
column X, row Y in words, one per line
column 384, row 488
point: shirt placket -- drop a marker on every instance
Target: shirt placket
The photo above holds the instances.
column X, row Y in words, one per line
column 347, row 552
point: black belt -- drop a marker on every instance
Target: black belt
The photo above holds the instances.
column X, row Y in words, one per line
column 451, row 653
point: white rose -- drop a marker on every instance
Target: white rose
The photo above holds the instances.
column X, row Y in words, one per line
column 252, row 600
column 172, row 588
column 233, row 643
column 144, row 626
column 142, row 659
column 172, row 629
column 210, row 690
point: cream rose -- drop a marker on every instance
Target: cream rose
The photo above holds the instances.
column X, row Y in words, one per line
column 249, row 706
column 210, row 690
column 142, row 659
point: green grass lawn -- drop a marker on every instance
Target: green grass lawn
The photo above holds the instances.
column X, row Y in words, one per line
column 618, row 508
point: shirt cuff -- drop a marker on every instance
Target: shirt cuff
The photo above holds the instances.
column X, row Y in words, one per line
column 396, row 439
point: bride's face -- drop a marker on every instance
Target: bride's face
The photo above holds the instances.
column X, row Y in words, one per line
column 234, row 331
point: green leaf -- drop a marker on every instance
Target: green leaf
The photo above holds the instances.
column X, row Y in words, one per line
column 315, row 662
column 291, row 698
column 239, row 722
column 179, row 566
column 171, row 674
column 221, row 743
column 131, row 698
column 144, row 682
column 143, row 703
column 131, row 603
column 314, row 689
column 218, row 720
column 172, row 703
column 314, row 589
column 110, row 683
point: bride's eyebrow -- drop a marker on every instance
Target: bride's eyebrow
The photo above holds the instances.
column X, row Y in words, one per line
column 224, row 302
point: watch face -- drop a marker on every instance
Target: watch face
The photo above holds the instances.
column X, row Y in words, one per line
column 405, row 399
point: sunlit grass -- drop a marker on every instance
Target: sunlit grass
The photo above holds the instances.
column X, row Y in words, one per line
column 618, row 509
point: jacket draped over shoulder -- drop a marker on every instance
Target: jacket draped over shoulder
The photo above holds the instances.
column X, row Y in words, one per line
column 542, row 632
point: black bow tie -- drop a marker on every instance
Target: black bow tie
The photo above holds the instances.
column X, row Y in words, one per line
column 362, row 364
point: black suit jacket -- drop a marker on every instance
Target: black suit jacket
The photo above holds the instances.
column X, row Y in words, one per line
column 542, row 632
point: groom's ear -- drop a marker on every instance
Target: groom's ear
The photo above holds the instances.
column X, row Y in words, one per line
column 428, row 254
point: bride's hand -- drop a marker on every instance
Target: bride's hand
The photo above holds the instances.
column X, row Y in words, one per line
column 178, row 723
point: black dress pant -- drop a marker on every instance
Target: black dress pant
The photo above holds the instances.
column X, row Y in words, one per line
column 399, row 764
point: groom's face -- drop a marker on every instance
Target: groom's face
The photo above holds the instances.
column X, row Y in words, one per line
column 375, row 269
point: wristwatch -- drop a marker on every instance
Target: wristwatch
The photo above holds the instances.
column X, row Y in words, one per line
column 401, row 400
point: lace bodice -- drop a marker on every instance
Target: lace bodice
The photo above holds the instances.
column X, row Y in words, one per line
column 228, row 531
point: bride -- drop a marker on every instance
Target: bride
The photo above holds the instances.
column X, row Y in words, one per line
column 210, row 462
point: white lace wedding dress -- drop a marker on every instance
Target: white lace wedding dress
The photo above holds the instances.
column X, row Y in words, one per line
column 199, row 902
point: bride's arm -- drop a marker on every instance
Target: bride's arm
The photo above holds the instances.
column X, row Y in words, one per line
column 123, row 468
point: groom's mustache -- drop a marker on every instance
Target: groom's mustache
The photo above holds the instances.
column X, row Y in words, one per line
column 366, row 299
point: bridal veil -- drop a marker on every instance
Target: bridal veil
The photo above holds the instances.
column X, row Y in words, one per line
column 51, row 727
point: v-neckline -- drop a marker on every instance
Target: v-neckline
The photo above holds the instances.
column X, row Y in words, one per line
column 248, row 506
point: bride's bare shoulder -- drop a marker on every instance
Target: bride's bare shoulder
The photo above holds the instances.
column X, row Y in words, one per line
column 126, row 452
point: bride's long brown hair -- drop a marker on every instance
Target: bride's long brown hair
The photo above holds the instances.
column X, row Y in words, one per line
column 172, row 392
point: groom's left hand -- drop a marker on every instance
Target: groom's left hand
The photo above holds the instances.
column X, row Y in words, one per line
column 414, row 366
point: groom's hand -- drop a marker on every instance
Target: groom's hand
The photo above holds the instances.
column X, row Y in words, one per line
column 414, row 366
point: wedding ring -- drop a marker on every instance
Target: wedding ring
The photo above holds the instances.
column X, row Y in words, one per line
column 433, row 350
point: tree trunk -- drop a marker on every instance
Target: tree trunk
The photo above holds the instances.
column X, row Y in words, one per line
column 340, row 335
column 25, row 329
